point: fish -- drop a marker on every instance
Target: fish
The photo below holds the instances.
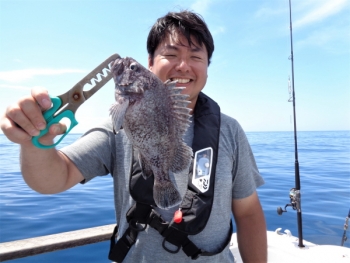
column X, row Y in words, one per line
column 154, row 116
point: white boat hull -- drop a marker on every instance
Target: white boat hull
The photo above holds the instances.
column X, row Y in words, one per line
column 283, row 248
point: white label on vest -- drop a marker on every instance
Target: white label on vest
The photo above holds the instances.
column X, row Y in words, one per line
column 202, row 168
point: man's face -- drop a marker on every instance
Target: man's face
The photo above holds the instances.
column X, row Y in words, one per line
column 174, row 59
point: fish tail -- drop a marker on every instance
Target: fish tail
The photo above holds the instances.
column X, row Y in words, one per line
column 165, row 194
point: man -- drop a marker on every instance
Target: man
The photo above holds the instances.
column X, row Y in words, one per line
column 180, row 47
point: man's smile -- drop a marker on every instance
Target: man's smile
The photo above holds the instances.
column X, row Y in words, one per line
column 180, row 80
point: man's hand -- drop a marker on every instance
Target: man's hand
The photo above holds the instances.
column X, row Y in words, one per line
column 46, row 171
column 24, row 119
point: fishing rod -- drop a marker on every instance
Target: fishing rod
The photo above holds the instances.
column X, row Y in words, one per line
column 294, row 194
column 346, row 224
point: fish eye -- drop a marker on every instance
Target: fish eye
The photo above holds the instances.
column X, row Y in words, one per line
column 133, row 66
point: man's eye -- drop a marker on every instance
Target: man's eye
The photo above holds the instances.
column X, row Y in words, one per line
column 169, row 55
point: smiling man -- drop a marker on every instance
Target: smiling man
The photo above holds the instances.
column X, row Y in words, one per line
column 179, row 47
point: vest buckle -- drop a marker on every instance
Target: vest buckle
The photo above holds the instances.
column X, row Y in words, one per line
column 156, row 221
column 169, row 250
column 135, row 225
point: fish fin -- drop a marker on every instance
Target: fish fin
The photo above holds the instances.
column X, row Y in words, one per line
column 179, row 102
column 181, row 159
column 181, row 119
column 165, row 194
column 145, row 168
column 117, row 111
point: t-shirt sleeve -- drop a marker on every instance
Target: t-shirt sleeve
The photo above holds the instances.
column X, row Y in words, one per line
column 246, row 176
column 93, row 152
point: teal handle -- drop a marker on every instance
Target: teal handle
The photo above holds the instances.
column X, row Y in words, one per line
column 51, row 119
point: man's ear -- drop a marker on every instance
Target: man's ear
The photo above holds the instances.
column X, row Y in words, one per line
column 150, row 62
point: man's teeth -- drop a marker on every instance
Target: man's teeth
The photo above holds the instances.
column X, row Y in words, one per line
column 181, row 80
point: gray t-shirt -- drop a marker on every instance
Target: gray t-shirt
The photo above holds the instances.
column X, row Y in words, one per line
column 101, row 152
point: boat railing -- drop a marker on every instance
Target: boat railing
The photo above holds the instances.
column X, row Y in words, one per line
column 43, row 244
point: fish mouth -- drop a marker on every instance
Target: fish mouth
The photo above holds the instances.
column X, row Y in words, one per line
column 182, row 80
column 127, row 90
column 122, row 92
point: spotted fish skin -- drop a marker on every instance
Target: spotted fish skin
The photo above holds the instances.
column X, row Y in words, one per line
column 154, row 116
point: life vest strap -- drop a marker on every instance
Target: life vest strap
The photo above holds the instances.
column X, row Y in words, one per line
column 120, row 249
column 139, row 212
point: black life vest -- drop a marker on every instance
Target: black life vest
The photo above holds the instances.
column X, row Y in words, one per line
column 196, row 204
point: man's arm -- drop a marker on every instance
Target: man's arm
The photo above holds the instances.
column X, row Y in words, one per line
column 45, row 171
column 251, row 229
column 48, row 171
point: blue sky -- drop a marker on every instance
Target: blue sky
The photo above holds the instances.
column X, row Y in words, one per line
column 54, row 44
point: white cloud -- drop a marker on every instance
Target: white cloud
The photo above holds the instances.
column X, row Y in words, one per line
column 320, row 23
column 303, row 12
column 24, row 74
column 320, row 11
column 331, row 30
column 334, row 39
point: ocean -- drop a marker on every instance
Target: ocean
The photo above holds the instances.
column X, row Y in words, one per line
column 324, row 159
